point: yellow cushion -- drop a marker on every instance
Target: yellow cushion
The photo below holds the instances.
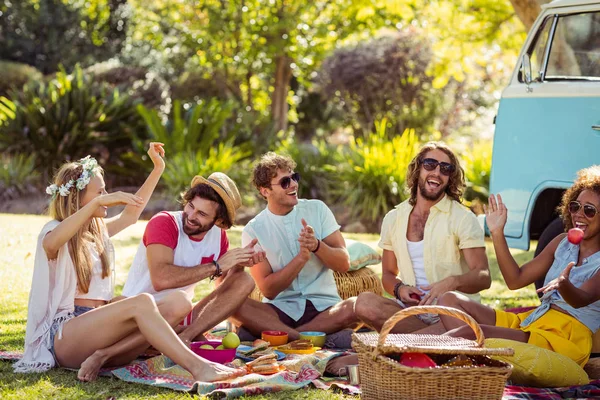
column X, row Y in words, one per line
column 538, row 367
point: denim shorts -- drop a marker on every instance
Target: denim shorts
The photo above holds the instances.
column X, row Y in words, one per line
column 57, row 326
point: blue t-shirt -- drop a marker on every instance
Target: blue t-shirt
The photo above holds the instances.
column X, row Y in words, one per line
column 565, row 253
column 278, row 237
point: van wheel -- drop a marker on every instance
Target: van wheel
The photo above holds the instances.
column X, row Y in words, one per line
column 553, row 229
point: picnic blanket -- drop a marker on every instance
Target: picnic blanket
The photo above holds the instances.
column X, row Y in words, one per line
column 301, row 371
column 160, row 371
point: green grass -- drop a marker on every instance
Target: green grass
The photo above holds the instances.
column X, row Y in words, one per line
column 18, row 235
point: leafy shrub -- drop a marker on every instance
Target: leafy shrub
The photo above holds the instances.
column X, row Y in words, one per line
column 317, row 164
column 478, row 163
column 195, row 85
column 198, row 139
column 381, row 78
column 66, row 119
column 18, row 175
column 225, row 157
column 14, row 75
column 50, row 33
column 137, row 82
column 374, row 174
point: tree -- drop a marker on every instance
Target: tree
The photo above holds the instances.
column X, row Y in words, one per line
column 49, row 33
column 257, row 46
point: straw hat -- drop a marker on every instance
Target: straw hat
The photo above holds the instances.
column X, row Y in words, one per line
column 226, row 188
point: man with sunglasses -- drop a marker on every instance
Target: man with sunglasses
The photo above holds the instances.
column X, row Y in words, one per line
column 303, row 246
column 431, row 244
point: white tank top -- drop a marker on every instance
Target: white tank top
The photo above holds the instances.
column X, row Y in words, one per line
column 415, row 251
column 187, row 253
column 100, row 288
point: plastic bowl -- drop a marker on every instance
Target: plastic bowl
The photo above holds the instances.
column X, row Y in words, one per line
column 275, row 338
column 218, row 356
column 317, row 338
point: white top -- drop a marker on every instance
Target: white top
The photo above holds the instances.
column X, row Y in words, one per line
column 187, row 253
column 51, row 299
column 100, row 288
column 278, row 237
column 416, row 251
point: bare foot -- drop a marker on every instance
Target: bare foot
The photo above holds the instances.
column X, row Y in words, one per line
column 91, row 366
column 339, row 364
column 211, row 372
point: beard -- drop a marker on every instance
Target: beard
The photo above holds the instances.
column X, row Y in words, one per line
column 431, row 196
column 199, row 227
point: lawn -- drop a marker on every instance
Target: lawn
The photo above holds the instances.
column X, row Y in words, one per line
column 18, row 235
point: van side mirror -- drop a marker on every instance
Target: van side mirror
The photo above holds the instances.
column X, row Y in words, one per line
column 526, row 68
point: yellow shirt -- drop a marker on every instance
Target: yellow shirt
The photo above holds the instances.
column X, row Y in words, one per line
column 450, row 228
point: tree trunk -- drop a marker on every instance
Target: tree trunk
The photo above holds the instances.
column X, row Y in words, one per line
column 279, row 104
column 527, row 10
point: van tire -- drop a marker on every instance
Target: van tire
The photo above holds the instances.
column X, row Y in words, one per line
column 553, row 229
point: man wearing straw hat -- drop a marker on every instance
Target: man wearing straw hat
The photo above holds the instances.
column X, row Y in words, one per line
column 179, row 249
column 431, row 244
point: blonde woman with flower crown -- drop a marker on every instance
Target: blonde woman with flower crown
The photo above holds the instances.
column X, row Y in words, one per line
column 72, row 317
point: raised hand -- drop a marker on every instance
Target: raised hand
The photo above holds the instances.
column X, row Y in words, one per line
column 119, row 198
column 495, row 214
column 557, row 283
column 307, row 237
column 157, row 154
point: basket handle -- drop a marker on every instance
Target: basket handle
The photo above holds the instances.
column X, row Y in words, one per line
column 416, row 310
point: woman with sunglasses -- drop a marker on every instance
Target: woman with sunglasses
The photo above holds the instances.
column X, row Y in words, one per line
column 569, row 313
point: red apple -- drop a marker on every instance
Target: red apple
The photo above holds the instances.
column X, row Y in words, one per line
column 417, row 360
column 415, row 296
column 575, row 235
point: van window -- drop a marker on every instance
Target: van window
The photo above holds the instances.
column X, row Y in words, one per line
column 537, row 51
column 575, row 52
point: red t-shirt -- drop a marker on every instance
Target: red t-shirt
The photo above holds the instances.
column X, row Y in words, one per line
column 162, row 229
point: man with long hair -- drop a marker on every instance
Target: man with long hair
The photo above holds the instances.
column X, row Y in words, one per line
column 431, row 244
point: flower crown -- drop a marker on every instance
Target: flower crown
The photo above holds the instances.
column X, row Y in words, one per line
column 89, row 164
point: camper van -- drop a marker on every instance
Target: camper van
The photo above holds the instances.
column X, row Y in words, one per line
column 548, row 121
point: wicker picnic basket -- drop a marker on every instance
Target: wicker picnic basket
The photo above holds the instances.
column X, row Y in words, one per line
column 384, row 378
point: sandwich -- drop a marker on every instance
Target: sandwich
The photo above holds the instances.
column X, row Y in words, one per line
column 265, row 364
column 258, row 345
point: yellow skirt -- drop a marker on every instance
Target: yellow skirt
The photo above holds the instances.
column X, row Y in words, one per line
column 554, row 331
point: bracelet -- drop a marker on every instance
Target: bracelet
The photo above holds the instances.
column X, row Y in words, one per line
column 397, row 288
column 218, row 272
column 318, row 245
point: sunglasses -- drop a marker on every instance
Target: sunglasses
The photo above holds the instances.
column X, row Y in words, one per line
column 430, row 164
column 588, row 210
column 286, row 180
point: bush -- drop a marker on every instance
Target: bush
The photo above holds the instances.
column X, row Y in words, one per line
column 18, row 176
column 14, row 75
column 137, row 82
column 50, row 33
column 225, row 157
column 478, row 164
column 373, row 176
column 316, row 164
column 384, row 78
column 198, row 138
column 66, row 119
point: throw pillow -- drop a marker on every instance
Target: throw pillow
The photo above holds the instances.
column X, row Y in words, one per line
column 361, row 255
column 539, row 367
